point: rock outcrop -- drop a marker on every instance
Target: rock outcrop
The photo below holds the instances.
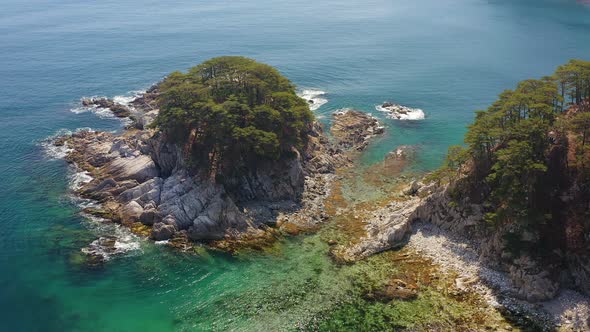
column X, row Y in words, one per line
column 353, row 129
column 390, row 226
column 399, row 112
column 118, row 110
column 140, row 178
column 387, row 228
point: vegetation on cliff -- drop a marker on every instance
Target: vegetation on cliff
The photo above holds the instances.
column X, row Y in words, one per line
column 516, row 152
column 233, row 111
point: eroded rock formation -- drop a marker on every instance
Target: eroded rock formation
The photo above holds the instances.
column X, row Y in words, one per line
column 140, row 178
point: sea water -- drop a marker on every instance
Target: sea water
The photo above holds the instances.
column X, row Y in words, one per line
column 447, row 58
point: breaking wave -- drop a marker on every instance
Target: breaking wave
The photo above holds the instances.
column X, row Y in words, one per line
column 315, row 98
column 112, row 239
column 53, row 151
column 106, row 113
column 399, row 112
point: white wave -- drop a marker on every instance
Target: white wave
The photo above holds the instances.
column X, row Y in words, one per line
column 83, row 203
column 314, row 98
column 342, row 111
column 112, row 239
column 52, row 151
column 103, row 113
column 129, row 98
column 106, row 113
column 78, row 179
column 400, row 112
column 80, row 110
column 124, row 100
column 109, row 246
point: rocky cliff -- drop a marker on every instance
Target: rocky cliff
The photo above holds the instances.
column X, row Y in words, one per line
column 455, row 208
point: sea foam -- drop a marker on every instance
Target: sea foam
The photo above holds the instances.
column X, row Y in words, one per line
column 106, row 113
column 315, row 98
column 112, row 239
column 399, row 112
column 54, row 152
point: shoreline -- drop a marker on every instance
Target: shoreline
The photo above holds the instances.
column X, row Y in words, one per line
column 445, row 249
column 569, row 310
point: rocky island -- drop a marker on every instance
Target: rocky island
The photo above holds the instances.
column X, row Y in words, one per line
column 168, row 177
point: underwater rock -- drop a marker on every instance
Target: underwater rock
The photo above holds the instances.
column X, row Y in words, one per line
column 396, row 289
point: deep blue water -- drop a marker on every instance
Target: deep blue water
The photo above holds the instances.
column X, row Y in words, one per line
column 447, row 57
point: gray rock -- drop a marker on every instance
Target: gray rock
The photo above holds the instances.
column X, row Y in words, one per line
column 388, row 228
column 170, row 220
column 353, row 129
column 132, row 211
column 161, row 231
column 532, row 281
column 168, row 157
column 104, row 185
column 149, row 217
column 146, row 192
column 141, row 168
column 412, row 189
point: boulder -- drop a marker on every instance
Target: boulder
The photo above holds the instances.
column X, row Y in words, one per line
column 387, row 228
column 161, row 231
column 131, row 211
column 170, row 220
column 103, row 185
column 534, row 284
column 149, row 217
column 118, row 110
column 412, row 189
column 140, row 168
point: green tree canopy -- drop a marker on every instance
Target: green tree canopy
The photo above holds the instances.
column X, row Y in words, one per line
column 574, row 80
column 233, row 111
column 508, row 144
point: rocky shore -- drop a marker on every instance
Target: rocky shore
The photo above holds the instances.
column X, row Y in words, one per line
column 426, row 219
column 144, row 183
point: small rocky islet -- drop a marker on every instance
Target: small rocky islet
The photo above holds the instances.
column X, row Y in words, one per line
column 147, row 183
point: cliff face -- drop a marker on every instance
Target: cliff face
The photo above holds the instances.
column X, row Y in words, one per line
column 557, row 254
column 144, row 182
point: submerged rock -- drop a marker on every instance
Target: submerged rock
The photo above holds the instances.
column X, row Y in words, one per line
column 396, row 289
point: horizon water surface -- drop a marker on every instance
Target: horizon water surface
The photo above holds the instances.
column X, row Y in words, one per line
column 447, row 57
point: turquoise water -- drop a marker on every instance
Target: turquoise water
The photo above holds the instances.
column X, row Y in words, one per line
column 445, row 57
